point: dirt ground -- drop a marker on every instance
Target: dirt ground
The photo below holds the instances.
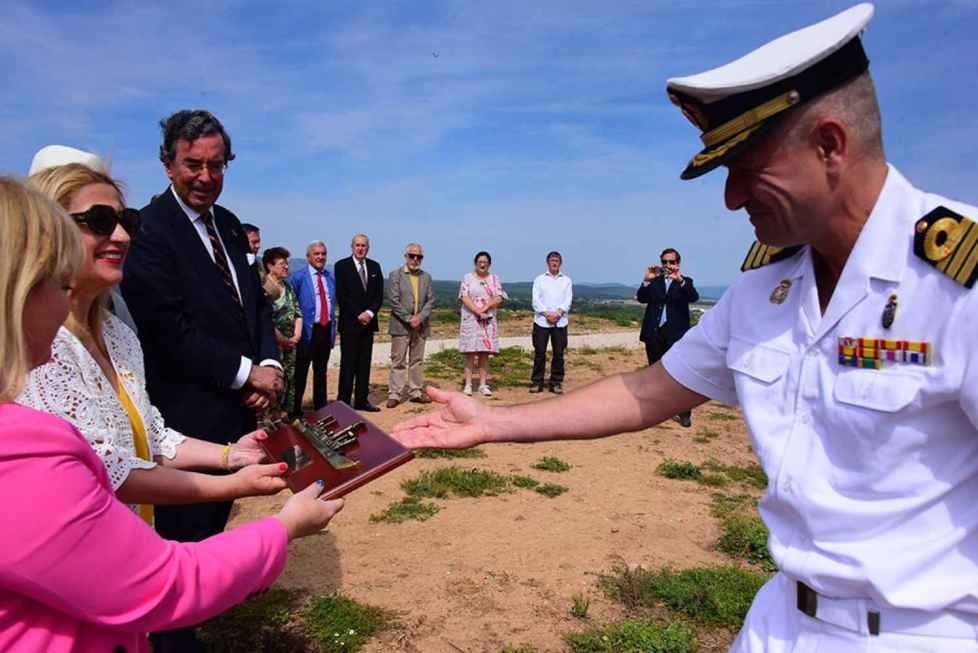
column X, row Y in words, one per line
column 494, row 571
column 515, row 323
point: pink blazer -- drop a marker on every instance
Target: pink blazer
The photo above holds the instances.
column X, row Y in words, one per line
column 81, row 572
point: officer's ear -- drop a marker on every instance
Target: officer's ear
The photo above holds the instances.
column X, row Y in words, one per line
column 831, row 141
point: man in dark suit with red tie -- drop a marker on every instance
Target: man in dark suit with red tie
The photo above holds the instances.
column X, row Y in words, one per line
column 316, row 290
column 204, row 324
column 667, row 295
column 359, row 292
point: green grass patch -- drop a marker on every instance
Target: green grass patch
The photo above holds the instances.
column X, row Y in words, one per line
column 721, row 417
column 679, row 469
column 262, row 623
column 525, row 648
column 707, row 433
column 550, row 490
column 341, row 625
column 724, row 505
column 446, row 315
column 751, row 474
column 551, row 464
column 510, row 367
column 718, row 595
column 471, row 452
column 580, row 605
column 445, row 364
column 525, row 482
column 635, row 636
column 405, row 509
column 458, row 482
column 701, row 440
column 745, row 536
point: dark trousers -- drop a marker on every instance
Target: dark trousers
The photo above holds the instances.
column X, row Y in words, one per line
column 655, row 349
column 557, row 336
column 316, row 351
column 190, row 523
column 355, row 352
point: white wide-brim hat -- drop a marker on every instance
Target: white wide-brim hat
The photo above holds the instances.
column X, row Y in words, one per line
column 52, row 156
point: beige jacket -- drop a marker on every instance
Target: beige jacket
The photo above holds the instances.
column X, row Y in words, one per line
column 401, row 297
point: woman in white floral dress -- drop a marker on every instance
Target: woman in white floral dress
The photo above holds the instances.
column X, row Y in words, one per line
column 96, row 381
column 481, row 293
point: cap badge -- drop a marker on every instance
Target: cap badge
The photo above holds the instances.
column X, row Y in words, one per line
column 889, row 311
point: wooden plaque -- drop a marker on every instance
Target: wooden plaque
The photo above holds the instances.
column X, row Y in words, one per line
column 310, row 456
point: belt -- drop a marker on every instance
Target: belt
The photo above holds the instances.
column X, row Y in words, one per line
column 864, row 616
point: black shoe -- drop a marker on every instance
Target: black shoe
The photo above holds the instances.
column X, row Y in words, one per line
column 367, row 408
column 556, row 389
column 684, row 420
column 537, row 388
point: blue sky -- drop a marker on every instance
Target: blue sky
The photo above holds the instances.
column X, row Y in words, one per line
column 516, row 127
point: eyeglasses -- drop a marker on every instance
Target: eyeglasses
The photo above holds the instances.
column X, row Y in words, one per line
column 416, row 257
column 669, row 261
column 102, row 220
column 215, row 168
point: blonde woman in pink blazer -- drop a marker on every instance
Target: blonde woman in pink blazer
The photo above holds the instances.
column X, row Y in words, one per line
column 79, row 571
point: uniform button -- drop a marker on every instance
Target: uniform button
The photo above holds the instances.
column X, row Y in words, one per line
column 787, row 487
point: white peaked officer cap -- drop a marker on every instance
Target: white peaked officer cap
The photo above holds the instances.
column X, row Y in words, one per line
column 51, row 156
column 734, row 104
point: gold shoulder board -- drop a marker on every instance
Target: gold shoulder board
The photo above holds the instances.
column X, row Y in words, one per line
column 760, row 255
column 949, row 242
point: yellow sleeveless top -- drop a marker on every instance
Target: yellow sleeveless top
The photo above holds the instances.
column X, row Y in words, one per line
column 139, row 439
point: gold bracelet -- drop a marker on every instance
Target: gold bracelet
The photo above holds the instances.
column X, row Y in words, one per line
column 225, row 456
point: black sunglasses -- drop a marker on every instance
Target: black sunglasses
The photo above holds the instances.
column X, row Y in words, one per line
column 418, row 257
column 102, row 219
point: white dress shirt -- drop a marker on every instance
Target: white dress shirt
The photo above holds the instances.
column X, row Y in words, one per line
column 873, row 472
column 244, row 369
column 552, row 293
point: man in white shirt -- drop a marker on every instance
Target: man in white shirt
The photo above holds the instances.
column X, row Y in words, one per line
column 552, row 296
column 848, row 342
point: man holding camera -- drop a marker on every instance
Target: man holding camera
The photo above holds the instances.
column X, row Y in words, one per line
column 667, row 295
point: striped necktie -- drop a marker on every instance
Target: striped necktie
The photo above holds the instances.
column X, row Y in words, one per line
column 220, row 257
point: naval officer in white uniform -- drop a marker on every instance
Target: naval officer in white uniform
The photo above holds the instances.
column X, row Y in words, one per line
column 849, row 342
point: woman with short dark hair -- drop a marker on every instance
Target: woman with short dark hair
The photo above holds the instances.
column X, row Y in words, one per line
column 286, row 316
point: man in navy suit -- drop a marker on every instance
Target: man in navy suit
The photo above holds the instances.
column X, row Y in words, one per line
column 204, row 324
column 316, row 289
column 667, row 295
column 359, row 292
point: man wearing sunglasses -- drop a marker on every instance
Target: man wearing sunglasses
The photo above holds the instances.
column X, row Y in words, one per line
column 412, row 298
column 667, row 295
column 204, row 324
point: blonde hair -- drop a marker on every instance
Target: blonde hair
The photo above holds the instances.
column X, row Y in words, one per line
column 62, row 183
column 37, row 242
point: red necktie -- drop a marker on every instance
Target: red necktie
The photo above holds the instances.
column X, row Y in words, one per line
column 323, row 302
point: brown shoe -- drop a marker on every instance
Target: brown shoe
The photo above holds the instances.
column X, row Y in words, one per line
column 392, row 403
column 421, row 399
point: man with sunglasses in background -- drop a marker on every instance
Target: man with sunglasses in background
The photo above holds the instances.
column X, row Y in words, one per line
column 204, row 324
column 667, row 295
column 412, row 299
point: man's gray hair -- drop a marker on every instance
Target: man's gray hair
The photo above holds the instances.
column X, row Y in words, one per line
column 364, row 236
column 410, row 245
column 855, row 104
column 315, row 243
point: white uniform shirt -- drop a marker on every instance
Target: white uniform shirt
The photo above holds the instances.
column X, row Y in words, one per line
column 552, row 293
column 873, row 488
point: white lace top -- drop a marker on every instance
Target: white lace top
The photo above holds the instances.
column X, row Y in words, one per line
column 73, row 386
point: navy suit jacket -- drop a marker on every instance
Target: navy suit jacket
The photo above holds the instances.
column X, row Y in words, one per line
column 306, row 291
column 676, row 302
column 353, row 299
column 192, row 331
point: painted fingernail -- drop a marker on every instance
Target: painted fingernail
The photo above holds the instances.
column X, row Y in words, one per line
column 283, row 466
column 321, row 483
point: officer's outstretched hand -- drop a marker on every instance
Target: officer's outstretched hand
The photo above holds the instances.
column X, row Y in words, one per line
column 459, row 422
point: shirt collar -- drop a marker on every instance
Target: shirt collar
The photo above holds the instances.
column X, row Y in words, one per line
column 313, row 271
column 882, row 248
column 192, row 214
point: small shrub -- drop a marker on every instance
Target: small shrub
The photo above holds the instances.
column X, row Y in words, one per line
column 551, row 464
column 525, row 482
column 445, row 364
column 679, row 469
column 719, row 595
column 455, row 481
column 471, row 452
column 752, row 474
column 724, row 505
column 261, row 623
column 635, row 636
column 581, row 604
column 341, row 625
column 745, row 536
column 550, row 490
column 405, row 509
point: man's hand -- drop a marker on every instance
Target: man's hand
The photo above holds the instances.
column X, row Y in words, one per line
column 460, row 422
column 256, row 401
column 256, row 480
column 651, row 273
column 247, row 450
column 364, row 318
column 677, row 276
column 265, row 379
column 552, row 316
column 415, row 322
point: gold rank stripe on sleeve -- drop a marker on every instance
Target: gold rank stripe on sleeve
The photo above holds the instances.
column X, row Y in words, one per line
column 949, row 242
column 872, row 353
column 761, row 255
